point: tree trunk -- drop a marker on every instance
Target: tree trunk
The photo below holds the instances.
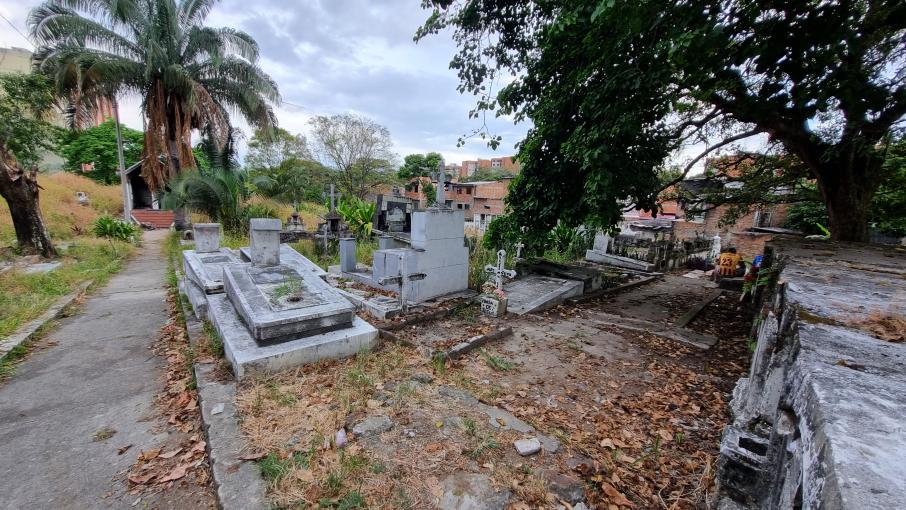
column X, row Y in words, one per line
column 847, row 192
column 180, row 221
column 20, row 189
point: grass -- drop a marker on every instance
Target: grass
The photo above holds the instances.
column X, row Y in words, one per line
column 24, row 297
column 497, row 363
column 64, row 216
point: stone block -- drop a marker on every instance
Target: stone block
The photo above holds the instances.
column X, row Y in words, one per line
column 347, row 254
column 535, row 293
column 433, row 224
column 206, row 269
column 289, row 257
column 265, row 299
column 264, row 241
column 618, row 261
column 249, row 357
column 207, row 237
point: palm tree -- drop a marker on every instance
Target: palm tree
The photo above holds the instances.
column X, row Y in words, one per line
column 187, row 75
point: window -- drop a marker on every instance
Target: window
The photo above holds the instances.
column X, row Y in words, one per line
column 459, row 206
column 466, row 206
column 459, row 191
column 468, row 191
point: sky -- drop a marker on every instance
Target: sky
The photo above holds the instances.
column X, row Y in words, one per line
column 344, row 56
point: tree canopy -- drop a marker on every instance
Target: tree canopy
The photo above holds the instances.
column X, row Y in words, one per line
column 188, row 75
column 358, row 148
column 97, row 145
column 419, row 165
column 614, row 87
column 271, row 149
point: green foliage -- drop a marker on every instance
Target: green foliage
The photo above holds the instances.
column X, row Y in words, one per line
column 488, row 174
column 806, row 216
column 26, row 100
column 419, row 165
column 359, row 215
column 496, row 363
column 430, row 193
column 98, row 145
column 888, row 211
column 293, row 182
column 357, row 148
column 614, row 87
column 188, row 75
column 272, row 149
column 114, row 228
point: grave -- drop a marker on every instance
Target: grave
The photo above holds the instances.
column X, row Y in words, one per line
column 437, row 250
column 277, row 313
column 204, row 265
column 535, row 293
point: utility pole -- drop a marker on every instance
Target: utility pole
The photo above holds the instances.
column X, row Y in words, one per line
column 124, row 180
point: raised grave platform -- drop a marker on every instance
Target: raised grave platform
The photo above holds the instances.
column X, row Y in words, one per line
column 289, row 257
column 534, row 293
column 205, row 269
column 249, row 357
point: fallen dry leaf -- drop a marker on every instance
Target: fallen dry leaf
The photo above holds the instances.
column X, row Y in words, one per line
column 143, row 479
column 123, row 449
column 253, row 456
column 170, row 454
column 149, row 454
column 616, row 496
column 177, row 473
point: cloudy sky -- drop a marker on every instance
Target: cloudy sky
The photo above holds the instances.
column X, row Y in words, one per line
column 337, row 56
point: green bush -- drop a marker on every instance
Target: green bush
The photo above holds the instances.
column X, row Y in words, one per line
column 359, row 215
column 114, row 228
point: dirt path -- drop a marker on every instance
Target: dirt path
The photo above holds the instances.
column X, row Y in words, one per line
column 87, row 393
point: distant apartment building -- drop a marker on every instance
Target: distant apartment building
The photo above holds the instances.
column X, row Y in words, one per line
column 508, row 164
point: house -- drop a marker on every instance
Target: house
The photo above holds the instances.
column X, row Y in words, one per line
column 146, row 209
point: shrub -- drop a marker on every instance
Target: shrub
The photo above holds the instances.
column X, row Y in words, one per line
column 359, row 215
column 114, row 228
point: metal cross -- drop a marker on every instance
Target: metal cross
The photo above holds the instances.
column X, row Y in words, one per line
column 401, row 280
column 499, row 271
column 519, row 247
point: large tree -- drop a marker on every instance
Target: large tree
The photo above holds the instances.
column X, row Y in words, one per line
column 188, row 75
column 357, row 147
column 613, row 87
column 97, row 145
column 271, row 149
column 25, row 103
column 419, row 165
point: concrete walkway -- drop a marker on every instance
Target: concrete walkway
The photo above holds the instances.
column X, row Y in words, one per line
column 99, row 375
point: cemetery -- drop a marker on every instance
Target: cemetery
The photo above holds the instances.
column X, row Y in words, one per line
column 455, row 256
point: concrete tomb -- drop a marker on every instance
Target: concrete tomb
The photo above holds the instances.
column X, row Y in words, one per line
column 277, row 312
column 207, row 237
column 204, row 265
column 437, row 250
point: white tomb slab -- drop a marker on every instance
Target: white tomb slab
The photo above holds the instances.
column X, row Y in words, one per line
column 206, row 236
column 248, row 356
column 535, row 293
column 206, row 269
column 289, row 257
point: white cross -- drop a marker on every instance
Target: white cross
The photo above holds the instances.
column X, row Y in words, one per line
column 401, row 280
column 499, row 271
column 519, row 247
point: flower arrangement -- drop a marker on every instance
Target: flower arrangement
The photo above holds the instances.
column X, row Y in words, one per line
column 490, row 290
column 493, row 300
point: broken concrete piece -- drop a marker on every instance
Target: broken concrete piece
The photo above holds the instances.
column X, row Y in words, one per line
column 472, row 491
column 373, row 425
column 526, row 447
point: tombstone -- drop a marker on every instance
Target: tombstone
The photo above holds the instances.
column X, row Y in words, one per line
column 264, row 241
column 519, row 246
column 715, row 247
column 82, row 197
column 334, row 220
column 401, row 280
column 347, row 254
column 207, row 237
column 499, row 271
column 386, row 242
column 441, row 176
column 602, row 242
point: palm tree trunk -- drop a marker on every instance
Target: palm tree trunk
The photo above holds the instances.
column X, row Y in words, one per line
column 180, row 219
column 20, row 189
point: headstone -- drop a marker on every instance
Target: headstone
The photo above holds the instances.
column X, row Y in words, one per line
column 82, row 197
column 499, row 271
column 347, row 255
column 385, row 242
column 207, row 237
column 519, row 246
column 264, row 241
column 602, row 242
column 441, row 176
column 715, row 247
column 325, row 236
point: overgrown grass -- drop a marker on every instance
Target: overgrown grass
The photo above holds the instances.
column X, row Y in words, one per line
column 23, row 297
column 65, row 217
column 496, row 363
column 314, row 250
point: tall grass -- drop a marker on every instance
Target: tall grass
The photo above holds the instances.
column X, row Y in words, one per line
column 64, row 216
column 23, row 297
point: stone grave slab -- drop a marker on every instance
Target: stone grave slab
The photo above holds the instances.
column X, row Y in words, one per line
column 289, row 257
column 205, row 269
column 535, row 293
column 280, row 303
column 248, row 356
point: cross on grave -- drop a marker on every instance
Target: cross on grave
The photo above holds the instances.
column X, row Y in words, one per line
column 401, row 280
column 441, row 176
column 519, row 246
column 324, row 235
column 334, row 196
column 499, row 271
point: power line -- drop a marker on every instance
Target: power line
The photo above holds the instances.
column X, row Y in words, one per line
column 16, row 29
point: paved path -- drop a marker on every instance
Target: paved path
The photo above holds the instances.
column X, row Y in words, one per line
column 100, row 374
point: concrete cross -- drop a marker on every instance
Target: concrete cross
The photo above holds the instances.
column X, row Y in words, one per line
column 519, row 246
column 334, row 196
column 401, row 280
column 499, row 271
column 324, row 230
column 441, row 177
